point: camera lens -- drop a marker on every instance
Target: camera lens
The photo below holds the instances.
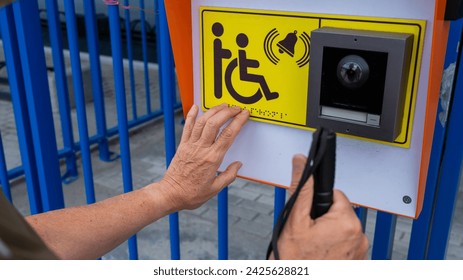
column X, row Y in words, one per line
column 353, row 71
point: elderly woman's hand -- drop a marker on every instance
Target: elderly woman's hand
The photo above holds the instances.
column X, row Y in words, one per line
column 192, row 178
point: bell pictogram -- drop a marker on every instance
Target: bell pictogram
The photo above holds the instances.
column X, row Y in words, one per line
column 287, row 44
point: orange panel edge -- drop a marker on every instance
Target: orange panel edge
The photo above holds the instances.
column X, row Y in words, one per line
column 179, row 20
column 438, row 50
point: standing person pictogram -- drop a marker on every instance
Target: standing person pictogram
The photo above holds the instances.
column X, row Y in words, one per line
column 220, row 53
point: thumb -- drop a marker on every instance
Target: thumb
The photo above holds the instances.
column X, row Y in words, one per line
column 298, row 167
column 303, row 204
column 226, row 177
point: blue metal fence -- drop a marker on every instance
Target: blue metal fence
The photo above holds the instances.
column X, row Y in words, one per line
column 21, row 112
column 30, row 94
column 446, row 189
column 71, row 147
column 32, row 61
column 167, row 85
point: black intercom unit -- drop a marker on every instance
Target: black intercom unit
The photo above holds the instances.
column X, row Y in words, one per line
column 358, row 81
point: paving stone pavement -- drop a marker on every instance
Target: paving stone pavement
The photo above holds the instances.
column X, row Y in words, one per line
column 250, row 204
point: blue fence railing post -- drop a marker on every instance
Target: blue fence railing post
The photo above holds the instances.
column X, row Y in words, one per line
column 21, row 112
column 91, row 29
column 79, row 96
column 223, row 224
column 26, row 14
column 449, row 175
column 167, row 86
column 384, row 236
column 145, row 56
column 421, row 230
column 4, row 182
column 121, row 104
column 279, row 203
column 362, row 214
column 128, row 38
column 62, row 92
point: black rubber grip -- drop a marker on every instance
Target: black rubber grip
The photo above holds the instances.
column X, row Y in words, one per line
column 324, row 177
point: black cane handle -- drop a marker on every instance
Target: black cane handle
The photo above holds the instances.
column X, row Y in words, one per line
column 320, row 163
column 324, row 177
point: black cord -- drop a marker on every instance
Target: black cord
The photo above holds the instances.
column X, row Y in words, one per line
column 316, row 153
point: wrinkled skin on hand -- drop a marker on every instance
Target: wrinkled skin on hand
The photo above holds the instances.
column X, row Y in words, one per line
column 191, row 178
column 335, row 235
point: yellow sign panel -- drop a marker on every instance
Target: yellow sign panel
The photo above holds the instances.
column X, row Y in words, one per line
column 259, row 60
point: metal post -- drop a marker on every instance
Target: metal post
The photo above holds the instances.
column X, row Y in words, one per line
column 97, row 83
column 79, row 96
column 362, row 214
column 420, row 235
column 167, row 76
column 223, row 224
column 38, row 100
column 384, row 236
column 145, row 56
column 116, row 47
column 279, row 203
column 450, row 169
column 128, row 38
column 56, row 42
column 21, row 112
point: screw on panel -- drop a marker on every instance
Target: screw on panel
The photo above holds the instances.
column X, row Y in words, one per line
column 406, row 199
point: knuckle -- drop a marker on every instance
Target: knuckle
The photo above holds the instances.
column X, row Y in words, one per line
column 227, row 133
column 353, row 227
column 212, row 123
column 187, row 129
column 213, row 159
column 201, row 122
column 209, row 161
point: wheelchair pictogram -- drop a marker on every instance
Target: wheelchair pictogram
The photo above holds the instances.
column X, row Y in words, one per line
column 243, row 64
